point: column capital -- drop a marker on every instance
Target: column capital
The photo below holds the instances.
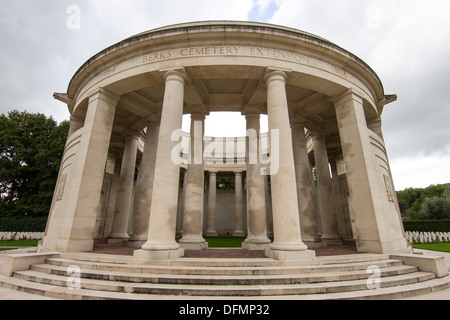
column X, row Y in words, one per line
column 298, row 120
column 252, row 110
column 175, row 74
column 198, row 111
column 152, row 119
column 318, row 134
column 276, row 74
column 213, row 172
column 237, row 172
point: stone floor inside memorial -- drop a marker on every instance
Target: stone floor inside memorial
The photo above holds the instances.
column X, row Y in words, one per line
column 344, row 249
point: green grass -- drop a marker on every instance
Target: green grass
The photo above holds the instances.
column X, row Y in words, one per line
column 223, row 242
column 443, row 247
column 19, row 243
column 228, row 242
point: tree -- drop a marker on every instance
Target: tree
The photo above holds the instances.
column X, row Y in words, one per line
column 435, row 208
column 31, row 147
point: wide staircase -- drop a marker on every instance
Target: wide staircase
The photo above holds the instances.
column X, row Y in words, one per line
column 103, row 276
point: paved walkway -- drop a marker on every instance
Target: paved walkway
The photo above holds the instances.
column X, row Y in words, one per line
column 7, row 294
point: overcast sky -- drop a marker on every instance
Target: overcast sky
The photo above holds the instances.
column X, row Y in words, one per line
column 406, row 42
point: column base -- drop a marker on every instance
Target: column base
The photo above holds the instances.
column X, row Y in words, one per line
column 331, row 241
column 290, row 255
column 136, row 243
column 314, row 244
column 148, row 255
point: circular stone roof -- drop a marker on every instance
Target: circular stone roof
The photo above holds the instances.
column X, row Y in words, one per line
column 228, row 26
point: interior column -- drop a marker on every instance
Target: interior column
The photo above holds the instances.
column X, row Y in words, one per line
column 193, row 206
column 305, row 183
column 125, row 193
column 212, row 190
column 144, row 187
column 239, row 205
column 256, row 201
column 326, row 193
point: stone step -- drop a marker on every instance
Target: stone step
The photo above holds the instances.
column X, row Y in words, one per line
column 230, row 270
column 224, row 290
column 223, row 279
column 397, row 292
column 225, row 262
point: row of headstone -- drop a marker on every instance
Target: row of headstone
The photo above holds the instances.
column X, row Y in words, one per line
column 427, row 237
column 21, row 235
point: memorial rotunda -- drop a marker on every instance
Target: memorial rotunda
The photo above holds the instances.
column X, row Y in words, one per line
column 319, row 176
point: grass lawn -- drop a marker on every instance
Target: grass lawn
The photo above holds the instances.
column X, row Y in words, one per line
column 223, row 242
column 444, row 247
column 19, row 243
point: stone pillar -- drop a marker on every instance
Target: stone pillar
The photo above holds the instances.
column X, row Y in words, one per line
column 325, row 189
column 340, row 214
column 119, row 232
column 193, row 206
column 77, row 197
column 161, row 244
column 305, row 184
column 287, row 243
column 144, row 187
column 212, row 189
column 256, row 201
column 239, row 205
column 377, row 223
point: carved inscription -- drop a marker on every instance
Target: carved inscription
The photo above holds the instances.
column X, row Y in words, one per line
column 226, row 51
column 389, row 189
column 60, row 189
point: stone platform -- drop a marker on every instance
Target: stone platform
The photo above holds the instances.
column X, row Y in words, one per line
column 104, row 276
column 345, row 249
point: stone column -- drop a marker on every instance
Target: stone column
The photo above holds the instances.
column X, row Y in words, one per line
column 144, row 187
column 287, row 243
column 161, row 244
column 377, row 223
column 256, row 201
column 326, row 194
column 305, row 184
column 73, row 217
column 239, row 205
column 212, row 189
column 193, row 206
column 119, row 232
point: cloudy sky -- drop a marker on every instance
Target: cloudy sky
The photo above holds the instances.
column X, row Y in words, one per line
column 407, row 42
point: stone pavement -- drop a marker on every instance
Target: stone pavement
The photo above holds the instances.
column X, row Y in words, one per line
column 7, row 294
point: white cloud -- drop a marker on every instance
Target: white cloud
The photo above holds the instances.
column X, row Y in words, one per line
column 404, row 41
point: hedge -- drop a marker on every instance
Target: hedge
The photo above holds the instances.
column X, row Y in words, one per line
column 12, row 224
column 427, row 225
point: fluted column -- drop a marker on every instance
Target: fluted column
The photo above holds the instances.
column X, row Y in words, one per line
column 305, row 184
column 161, row 244
column 239, row 205
column 288, row 244
column 125, row 193
column 326, row 193
column 212, row 190
column 256, row 202
column 144, row 187
column 193, row 206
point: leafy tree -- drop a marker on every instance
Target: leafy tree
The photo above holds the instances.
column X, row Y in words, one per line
column 31, row 147
column 435, row 208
